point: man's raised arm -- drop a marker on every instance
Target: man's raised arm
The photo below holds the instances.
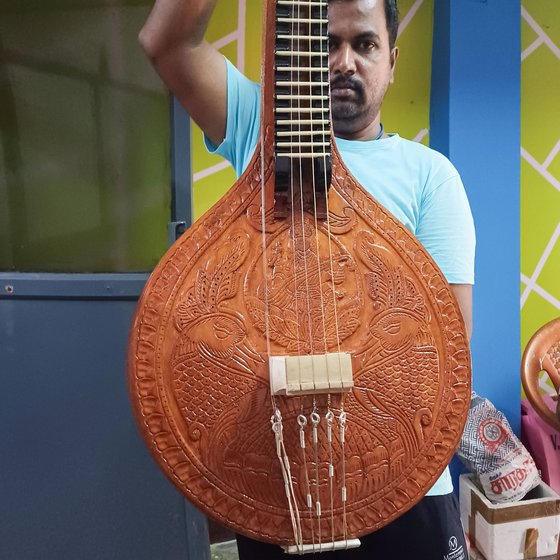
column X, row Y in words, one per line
column 173, row 38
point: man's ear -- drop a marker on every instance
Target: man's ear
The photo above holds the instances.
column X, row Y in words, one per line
column 394, row 56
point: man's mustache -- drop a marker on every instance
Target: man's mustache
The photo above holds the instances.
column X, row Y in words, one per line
column 343, row 82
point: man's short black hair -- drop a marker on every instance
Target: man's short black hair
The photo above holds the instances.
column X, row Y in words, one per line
column 392, row 17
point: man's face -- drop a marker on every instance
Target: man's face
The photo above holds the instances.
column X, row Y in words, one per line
column 361, row 64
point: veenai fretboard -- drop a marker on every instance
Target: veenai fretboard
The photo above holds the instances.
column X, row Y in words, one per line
column 302, row 129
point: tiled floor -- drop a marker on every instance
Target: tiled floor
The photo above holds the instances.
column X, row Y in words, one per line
column 224, row 551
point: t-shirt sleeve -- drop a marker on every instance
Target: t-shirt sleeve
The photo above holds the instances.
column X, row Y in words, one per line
column 243, row 120
column 446, row 229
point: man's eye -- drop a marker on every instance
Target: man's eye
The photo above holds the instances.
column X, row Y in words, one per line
column 367, row 46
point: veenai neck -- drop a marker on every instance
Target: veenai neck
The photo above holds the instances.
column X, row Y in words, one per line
column 296, row 100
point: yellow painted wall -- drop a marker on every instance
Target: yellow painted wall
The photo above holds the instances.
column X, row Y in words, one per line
column 540, row 165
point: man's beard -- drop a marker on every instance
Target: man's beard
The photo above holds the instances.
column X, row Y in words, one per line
column 351, row 108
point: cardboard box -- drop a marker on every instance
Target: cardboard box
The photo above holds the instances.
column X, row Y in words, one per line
column 525, row 529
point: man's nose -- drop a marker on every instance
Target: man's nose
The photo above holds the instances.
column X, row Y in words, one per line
column 343, row 61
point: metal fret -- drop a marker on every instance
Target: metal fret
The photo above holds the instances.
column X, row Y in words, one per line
column 301, row 3
column 301, row 144
column 302, row 37
column 300, row 53
column 310, row 97
column 325, row 133
column 305, row 155
column 301, row 109
column 312, row 84
column 302, row 20
column 301, row 69
column 298, row 122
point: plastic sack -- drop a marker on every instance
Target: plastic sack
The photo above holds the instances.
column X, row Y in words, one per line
column 489, row 448
column 543, row 441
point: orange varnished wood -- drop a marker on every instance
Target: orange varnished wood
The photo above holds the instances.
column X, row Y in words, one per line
column 358, row 282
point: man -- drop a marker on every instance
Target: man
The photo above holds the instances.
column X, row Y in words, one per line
column 417, row 185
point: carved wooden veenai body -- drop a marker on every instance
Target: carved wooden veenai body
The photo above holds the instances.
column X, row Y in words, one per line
column 198, row 371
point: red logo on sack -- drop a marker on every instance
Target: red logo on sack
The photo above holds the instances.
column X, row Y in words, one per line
column 492, row 434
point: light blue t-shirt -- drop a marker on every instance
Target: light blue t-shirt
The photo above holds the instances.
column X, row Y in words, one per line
column 418, row 185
